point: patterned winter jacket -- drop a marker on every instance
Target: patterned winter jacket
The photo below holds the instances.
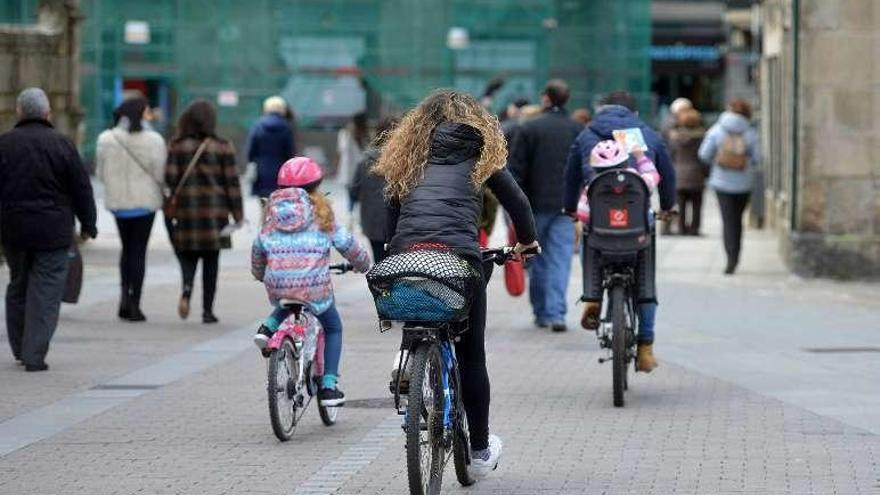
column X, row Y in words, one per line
column 291, row 255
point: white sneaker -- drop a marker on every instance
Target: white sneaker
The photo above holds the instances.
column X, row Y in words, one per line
column 480, row 468
column 261, row 338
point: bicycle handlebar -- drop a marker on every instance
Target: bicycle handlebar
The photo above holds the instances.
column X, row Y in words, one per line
column 502, row 254
column 341, row 268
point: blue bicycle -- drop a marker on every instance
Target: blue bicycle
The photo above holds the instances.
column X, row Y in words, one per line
column 428, row 393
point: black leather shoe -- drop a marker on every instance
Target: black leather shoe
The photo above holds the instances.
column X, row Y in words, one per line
column 36, row 367
column 209, row 318
column 137, row 315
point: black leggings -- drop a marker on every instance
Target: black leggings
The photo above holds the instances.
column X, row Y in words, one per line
column 210, row 261
column 732, row 208
column 471, row 354
column 135, row 234
column 690, row 200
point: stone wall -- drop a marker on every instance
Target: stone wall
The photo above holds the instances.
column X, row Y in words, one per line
column 838, row 231
column 834, row 230
column 46, row 55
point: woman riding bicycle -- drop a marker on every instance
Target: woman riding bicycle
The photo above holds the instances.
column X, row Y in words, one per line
column 436, row 163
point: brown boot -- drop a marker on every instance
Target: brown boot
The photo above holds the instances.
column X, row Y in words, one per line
column 183, row 306
column 590, row 319
column 645, row 360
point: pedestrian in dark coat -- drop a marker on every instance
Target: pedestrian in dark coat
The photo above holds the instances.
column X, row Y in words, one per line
column 367, row 188
column 208, row 196
column 43, row 186
column 270, row 144
column 690, row 173
column 537, row 161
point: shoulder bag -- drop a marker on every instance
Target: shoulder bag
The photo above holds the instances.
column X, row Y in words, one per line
column 170, row 206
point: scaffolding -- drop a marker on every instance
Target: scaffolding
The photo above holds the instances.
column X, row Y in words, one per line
column 331, row 58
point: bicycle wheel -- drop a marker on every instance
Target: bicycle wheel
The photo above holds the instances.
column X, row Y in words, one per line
column 328, row 414
column 281, row 388
column 618, row 344
column 424, row 422
column 461, row 445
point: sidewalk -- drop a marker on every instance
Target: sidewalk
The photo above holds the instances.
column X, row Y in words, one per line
column 737, row 406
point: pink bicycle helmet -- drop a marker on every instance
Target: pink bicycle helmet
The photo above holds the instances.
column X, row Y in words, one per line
column 608, row 154
column 300, row 171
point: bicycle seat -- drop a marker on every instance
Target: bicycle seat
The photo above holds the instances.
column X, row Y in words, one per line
column 292, row 305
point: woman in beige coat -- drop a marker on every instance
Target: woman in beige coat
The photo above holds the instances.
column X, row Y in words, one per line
column 131, row 164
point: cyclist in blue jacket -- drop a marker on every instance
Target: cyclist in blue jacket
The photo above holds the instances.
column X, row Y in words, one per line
column 617, row 111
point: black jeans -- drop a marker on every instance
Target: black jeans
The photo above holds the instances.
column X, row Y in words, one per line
column 690, row 200
column 189, row 260
column 471, row 354
column 33, row 300
column 732, row 208
column 135, row 234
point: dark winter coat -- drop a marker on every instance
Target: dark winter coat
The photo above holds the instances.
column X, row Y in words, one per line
column 538, row 156
column 445, row 207
column 690, row 173
column 367, row 190
column 270, row 144
column 43, row 185
column 578, row 172
column 209, row 196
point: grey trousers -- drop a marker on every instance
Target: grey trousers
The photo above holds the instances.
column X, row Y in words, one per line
column 33, row 299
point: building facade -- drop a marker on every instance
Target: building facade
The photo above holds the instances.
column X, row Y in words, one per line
column 41, row 51
column 820, row 91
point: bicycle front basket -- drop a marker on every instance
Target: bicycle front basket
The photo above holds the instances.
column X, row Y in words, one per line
column 424, row 285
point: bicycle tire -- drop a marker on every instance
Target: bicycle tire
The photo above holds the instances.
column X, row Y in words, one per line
column 281, row 390
column 425, row 478
column 328, row 414
column 461, row 445
column 618, row 344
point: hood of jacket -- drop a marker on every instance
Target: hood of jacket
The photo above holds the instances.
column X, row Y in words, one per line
column 611, row 118
column 290, row 210
column 453, row 142
column 733, row 122
column 273, row 123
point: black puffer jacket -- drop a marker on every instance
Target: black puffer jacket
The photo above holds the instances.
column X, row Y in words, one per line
column 43, row 184
column 445, row 207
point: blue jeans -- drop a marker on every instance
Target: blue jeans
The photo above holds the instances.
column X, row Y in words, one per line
column 549, row 272
column 647, row 314
column 332, row 325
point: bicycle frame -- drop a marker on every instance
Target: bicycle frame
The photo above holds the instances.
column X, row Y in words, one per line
column 310, row 344
column 441, row 335
column 615, row 276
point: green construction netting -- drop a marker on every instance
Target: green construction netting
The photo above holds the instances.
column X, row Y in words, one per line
column 331, row 58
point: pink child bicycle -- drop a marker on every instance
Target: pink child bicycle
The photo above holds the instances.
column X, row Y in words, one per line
column 295, row 365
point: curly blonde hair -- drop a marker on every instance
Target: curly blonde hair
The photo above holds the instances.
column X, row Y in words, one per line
column 405, row 152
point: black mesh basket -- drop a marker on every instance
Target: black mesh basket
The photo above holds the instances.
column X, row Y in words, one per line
column 423, row 285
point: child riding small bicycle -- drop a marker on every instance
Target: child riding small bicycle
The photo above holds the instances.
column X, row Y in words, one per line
column 291, row 257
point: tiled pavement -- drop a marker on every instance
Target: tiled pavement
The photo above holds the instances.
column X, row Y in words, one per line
column 708, row 421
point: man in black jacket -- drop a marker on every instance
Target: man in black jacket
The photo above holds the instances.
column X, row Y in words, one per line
column 43, row 184
column 537, row 160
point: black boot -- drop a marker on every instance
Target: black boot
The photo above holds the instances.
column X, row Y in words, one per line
column 135, row 313
column 124, row 304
